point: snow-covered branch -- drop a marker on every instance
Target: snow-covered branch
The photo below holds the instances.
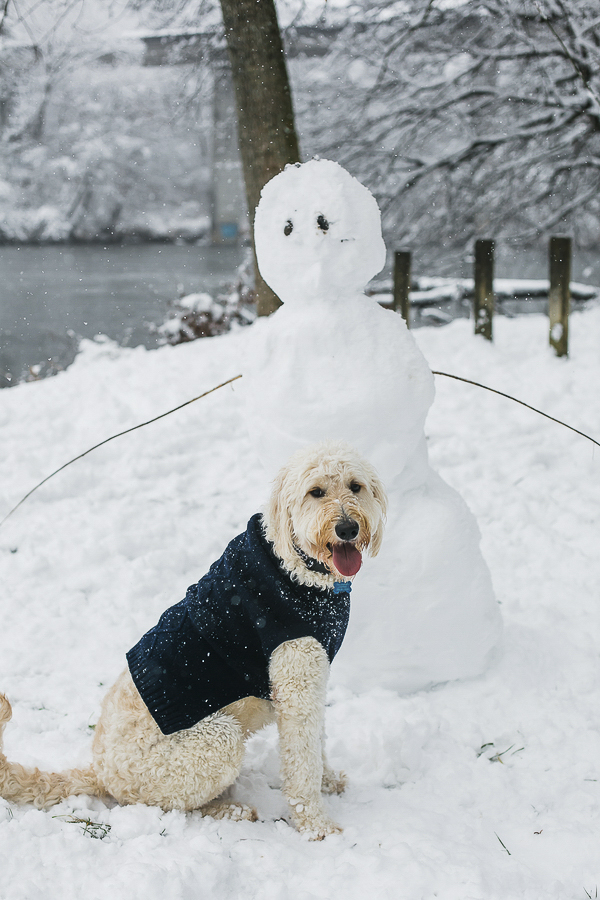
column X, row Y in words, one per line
column 470, row 109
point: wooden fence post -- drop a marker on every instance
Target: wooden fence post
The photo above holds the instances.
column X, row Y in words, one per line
column 401, row 301
column 559, row 296
column 483, row 293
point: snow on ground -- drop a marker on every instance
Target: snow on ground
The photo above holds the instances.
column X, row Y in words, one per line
column 482, row 790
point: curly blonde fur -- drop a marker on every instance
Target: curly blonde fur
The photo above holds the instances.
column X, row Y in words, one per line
column 296, row 518
column 134, row 762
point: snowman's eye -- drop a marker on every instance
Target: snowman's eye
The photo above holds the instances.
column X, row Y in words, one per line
column 288, row 228
column 322, row 223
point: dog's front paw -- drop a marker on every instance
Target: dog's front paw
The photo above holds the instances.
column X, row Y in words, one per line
column 225, row 809
column 312, row 820
column 333, row 782
column 318, row 831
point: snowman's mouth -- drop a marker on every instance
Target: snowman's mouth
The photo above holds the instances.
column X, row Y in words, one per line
column 346, row 558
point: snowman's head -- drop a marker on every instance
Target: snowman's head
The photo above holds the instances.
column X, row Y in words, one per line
column 317, row 233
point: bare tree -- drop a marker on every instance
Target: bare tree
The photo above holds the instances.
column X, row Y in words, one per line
column 471, row 117
column 266, row 129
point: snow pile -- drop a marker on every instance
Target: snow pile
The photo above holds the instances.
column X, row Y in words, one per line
column 432, row 288
column 332, row 364
column 200, row 315
column 443, row 784
column 46, row 223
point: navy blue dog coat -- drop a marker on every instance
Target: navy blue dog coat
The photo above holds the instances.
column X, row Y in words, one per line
column 214, row 647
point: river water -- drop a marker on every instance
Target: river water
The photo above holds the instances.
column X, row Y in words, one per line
column 50, row 296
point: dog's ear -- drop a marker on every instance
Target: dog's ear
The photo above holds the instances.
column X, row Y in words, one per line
column 278, row 521
column 379, row 494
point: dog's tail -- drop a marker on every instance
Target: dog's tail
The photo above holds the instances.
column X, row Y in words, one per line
column 43, row 789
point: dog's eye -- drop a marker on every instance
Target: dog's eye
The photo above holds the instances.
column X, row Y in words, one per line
column 355, row 487
column 317, row 492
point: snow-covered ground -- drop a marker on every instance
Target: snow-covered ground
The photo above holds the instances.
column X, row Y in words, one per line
column 487, row 789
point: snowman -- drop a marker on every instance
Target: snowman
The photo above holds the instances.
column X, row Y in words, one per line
column 331, row 363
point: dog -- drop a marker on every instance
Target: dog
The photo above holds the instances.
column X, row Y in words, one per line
column 250, row 644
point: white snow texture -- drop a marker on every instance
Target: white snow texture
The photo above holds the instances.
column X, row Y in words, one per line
column 436, row 779
column 479, row 789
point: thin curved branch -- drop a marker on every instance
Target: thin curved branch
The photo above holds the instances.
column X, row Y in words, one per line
column 3, row 14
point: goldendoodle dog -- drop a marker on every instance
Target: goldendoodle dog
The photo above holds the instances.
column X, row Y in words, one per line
column 251, row 643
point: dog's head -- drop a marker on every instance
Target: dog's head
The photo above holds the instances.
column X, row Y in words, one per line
column 329, row 503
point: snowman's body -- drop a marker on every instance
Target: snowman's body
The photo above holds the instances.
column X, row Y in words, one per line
column 331, row 363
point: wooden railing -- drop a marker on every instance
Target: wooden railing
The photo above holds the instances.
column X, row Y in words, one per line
column 559, row 296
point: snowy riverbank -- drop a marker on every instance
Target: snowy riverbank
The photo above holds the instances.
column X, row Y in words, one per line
column 482, row 790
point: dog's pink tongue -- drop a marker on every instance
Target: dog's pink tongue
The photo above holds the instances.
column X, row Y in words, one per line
column 346, row 559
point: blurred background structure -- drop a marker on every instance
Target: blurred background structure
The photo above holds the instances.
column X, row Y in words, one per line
column 119, row 125
column 116, row 118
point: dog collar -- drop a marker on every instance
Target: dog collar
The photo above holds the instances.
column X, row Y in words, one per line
column 313, row 564
column 339, row 587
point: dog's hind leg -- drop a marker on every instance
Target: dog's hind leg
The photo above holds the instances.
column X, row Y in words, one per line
column 298, row 672
column 137, row 763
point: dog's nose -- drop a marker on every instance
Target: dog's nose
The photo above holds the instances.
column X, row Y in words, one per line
column 347, row 529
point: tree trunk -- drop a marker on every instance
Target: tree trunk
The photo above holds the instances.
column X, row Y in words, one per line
column 36, row 127
column 266, row 129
